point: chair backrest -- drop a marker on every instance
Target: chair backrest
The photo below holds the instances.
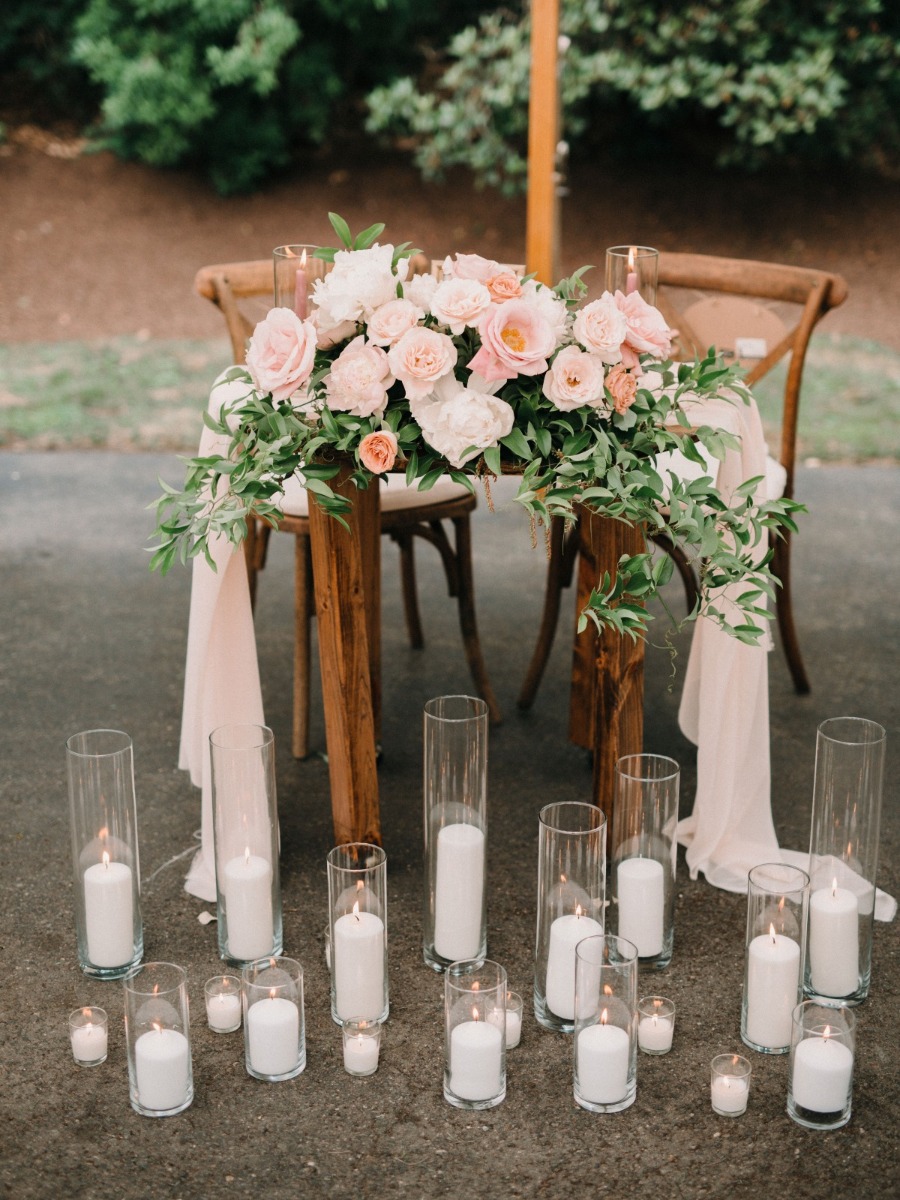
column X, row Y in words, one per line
column 755, row 313
column 233, row 288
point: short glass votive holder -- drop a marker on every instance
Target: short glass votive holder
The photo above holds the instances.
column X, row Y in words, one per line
column 89, row 1036
column 296, row 270
column 157, row 1033
column 605, row 1044
column 823, row 1048
column 633, row 269
column 777, row 906
column 274, row 1024
column 362, row 1044
column 656, row 1024
column 474, row 1037
column 223, row 1003
column 100, row 767
column 514, row 1013
column 357, row 906
column 729, row 1084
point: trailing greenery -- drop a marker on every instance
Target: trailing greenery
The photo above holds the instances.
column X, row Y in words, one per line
column 766, row 80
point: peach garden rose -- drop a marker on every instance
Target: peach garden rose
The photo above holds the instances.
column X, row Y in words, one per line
column 575, row 380
column 378, row 451
column 420, row 358
column 281, row 353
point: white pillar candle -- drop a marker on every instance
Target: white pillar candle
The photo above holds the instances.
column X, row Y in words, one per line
column 109, row 913
column 773, row 983
column 602, row 1063
column 89, row 1043
column 223, row 1011
column 247, row 889
column 360, row 1054
column 273, row 1036
column 565, row 934
column 476, row 1060
column 834, row 941
column 641, row 890
column 162, row 1069
column 821, row 1074
column 729, row 1094
column 358, row 964
column 459, row 891
column 655, row 1034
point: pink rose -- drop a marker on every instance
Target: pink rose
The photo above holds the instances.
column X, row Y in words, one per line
column 575, row 380
column 646, row 332
column 460, row 303
column 601, row 328
column 471, row 266
column 516, row 340
column 378, row 451
column 390, row 321
column 281, row 353
column 622, row 386
column 359, row 379
column 504, row 286
column 420, row 358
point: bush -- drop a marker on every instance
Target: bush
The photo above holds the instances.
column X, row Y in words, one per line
column 766, row 80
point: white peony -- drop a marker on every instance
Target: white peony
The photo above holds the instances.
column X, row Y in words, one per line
column 601, row 328
column 359, row 282
column 419, row 289
column 454, row 418
column 390, row 321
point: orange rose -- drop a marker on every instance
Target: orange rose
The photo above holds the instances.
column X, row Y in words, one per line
column 378, row 451
column 622, row 386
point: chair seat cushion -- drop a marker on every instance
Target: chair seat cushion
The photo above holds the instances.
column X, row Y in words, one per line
column 395, row 495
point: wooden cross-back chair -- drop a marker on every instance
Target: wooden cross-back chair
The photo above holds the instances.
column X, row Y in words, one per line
column 752, row 312
column 243, row 293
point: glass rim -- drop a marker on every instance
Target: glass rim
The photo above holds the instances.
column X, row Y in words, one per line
column 469, row 969
column 632, row 248
column 664, row 1006
column 291, row 966
column 787, row 868
column 860, row 723
column 475, row 701
column 289, row 247
column 611, row 939
column 266, row 736
column 82, row 1013
column 127, row 743
column 580, row 806
column 739, row 1065
column 643, row 777
column 130, row 980
column 376, row 852
column 842, row 1011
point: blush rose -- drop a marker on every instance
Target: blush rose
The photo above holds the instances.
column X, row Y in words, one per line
column 378, row 451
column 281, row 353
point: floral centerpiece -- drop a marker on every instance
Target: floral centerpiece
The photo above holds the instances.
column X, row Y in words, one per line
column 480, row 372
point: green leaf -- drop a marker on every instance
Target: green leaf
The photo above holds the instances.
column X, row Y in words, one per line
column 342, row 229
column 365, row 239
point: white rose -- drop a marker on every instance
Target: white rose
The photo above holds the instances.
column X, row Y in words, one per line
column 420, row 358
column 390, row 321
column 601, row 328
column 575, row 380
column 419, row 289
column 549, row 305
column 359, row 379
column 460, row 303
column 358, row 283
column 454, row 418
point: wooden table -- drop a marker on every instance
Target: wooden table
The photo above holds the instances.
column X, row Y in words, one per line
column 606, row 711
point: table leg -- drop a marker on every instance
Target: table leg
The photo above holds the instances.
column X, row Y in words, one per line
column 348, row 610
column 606, row 707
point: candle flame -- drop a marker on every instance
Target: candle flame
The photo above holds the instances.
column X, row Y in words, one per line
column 631, row 257
column 356, row 909
column 772, row 934
column 657, row 1003
column 735, row 1059
column 834, row 886
column 273, row 992
column 303, row 259
column 476, row 986
column 247, row 855
column 562, row 878
column 359, row 885
column 781, row 904
column 103, row 834
column 827, row 1034
column 156, row 989
column 607, row 990
column 604, row 1017
column 579, row 912
column 157, row 1025
column 475, row 1016
column 106, row 858
column 86, row 1012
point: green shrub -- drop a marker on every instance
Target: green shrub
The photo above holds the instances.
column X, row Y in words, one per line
column 765, row 80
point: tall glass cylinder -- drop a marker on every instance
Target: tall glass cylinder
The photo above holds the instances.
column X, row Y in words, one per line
column 633, row 269
column 357, row 908
column 296, row 270
column 103, row 825
column 777, row 900
column 158, row 1036
column 570, row 900
column 605, row 1043
column 454, row 787
column 645, row 818
column 245, row 823
column 823, row 1050
column 843, row 859
column 475, row 1034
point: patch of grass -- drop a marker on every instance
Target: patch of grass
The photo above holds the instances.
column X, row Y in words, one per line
column 127, row 394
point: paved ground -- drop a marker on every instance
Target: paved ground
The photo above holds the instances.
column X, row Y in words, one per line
column 89, row 639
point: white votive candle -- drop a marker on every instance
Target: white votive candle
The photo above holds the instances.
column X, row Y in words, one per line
column 655, row 1034
column 109, row 913
column 223, row 1011
column 247, row 890
column 459, row 891
column 773, row 983
column 273, row 1036
column 729, row 1095
column 90, row 1043
column 640, row 887
column 833, row 941
column 513, row 1028
column 162, row 1069
column 565, row 934
column 360, row 1054
column 821, row 1074
column 357, row 957
column 476, row 1060
column 602, row 1063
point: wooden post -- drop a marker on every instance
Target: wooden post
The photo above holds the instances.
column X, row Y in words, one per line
column 542, row 211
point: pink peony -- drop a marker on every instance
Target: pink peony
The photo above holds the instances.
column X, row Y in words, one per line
column 622, row 386
column 575, row 380
column 359, row 379
column 378, row 451
column 504, row 286
column 390, row 321
column 459, row 422
column 516, row 340
column 646, row 332
column 420, row 358
column 601, row 328
column 281, row 353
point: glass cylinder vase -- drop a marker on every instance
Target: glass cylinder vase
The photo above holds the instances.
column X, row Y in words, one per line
column 357, row 907
column 245, row 823
column 158, row 1036
column 571, row 894
column 645, row 818
column 105, row 857
column 475, row 1034
column 605, row 1043
column 633, row 269
column 454, row 787
column 823, row 1049
column 843, row 859
column 777, row 900
column 296, row 270
column 274, row 1019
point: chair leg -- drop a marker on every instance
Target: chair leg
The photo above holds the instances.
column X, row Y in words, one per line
column 302, row 615
column 563, row 551
column 781, row 567
column 468, row 625
column 256, row 545
column 405, row 542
